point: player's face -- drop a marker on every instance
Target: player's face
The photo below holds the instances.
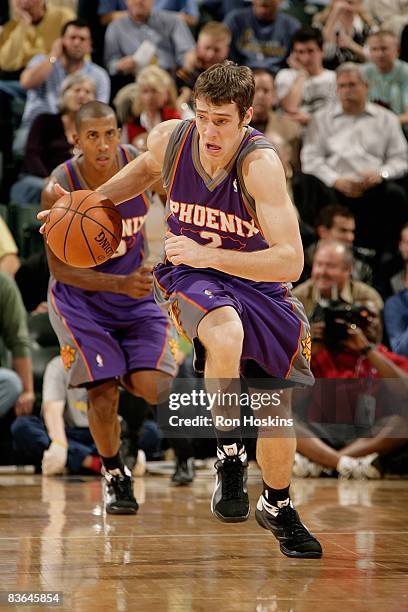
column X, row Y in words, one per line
column 403, row 244
column 308, row 54
column 220, row 129
column 211, row 50
column 264, row 96
column 98, row 139
column 79, row 94
column 329, row 270
column 383, row 52
column 343, row 229
column 77, row 43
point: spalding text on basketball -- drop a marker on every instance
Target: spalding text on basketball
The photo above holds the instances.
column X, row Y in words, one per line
column 104, row 242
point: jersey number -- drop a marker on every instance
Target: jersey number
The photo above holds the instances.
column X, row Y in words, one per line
column 215, row 239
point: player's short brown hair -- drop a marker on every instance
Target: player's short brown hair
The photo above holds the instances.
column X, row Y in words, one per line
column 225, row 83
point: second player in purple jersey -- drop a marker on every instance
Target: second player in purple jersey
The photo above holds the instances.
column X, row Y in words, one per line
column 131, row 250
column 111, row 331
column 93, row 318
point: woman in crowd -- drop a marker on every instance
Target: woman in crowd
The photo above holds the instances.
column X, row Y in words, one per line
column 142, row 105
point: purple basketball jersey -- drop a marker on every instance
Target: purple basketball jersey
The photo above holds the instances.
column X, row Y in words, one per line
column 104, row 334
column 211, row 211
column 129, row 254
column 219, row 212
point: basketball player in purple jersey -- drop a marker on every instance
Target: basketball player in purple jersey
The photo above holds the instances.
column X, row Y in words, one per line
column 232, row 250
column 110, row 329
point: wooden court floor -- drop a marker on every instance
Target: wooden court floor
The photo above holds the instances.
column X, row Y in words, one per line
column 175, row 557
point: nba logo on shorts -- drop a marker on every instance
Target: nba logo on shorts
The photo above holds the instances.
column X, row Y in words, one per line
column 99, row 361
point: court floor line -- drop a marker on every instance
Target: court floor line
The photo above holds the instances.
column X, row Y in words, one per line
column 247, row 536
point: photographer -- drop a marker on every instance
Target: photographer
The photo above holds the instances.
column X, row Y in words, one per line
column 345, row 345
column 331, row 278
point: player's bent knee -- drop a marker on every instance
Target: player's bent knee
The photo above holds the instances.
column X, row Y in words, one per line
column 104, row 401
column 150, row 385
column 223, row 341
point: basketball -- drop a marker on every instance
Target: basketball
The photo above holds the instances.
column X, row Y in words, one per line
column 83, row 229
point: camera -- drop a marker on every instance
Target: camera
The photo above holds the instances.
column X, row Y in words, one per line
column 337, row 317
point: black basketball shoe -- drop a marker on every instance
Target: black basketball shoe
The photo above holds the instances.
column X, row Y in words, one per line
column 184, row 472
column 118, row 492
column 230, row 502
column 284, row 522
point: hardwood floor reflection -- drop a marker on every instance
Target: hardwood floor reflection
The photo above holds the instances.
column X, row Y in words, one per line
column 175, row 557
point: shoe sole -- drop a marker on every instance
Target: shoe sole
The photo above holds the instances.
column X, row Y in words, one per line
column 231, row 519
column 297, row 555
column 181, row 483
column 123, row 510
column 285, row 551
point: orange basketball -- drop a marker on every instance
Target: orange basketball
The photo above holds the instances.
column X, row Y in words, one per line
column 83, row 229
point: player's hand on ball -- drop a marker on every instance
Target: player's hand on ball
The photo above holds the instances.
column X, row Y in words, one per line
column 182, row 250
column 54, row 459
column 138, row 284
column 43, row 215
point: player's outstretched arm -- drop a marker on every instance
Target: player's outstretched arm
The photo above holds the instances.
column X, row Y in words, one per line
column 283, row 261
column 144, row 171
column 137, row 176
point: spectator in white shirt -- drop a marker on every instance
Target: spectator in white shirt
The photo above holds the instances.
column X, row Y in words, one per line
column 306, row 86
column 356, row 150
column 61, row 438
